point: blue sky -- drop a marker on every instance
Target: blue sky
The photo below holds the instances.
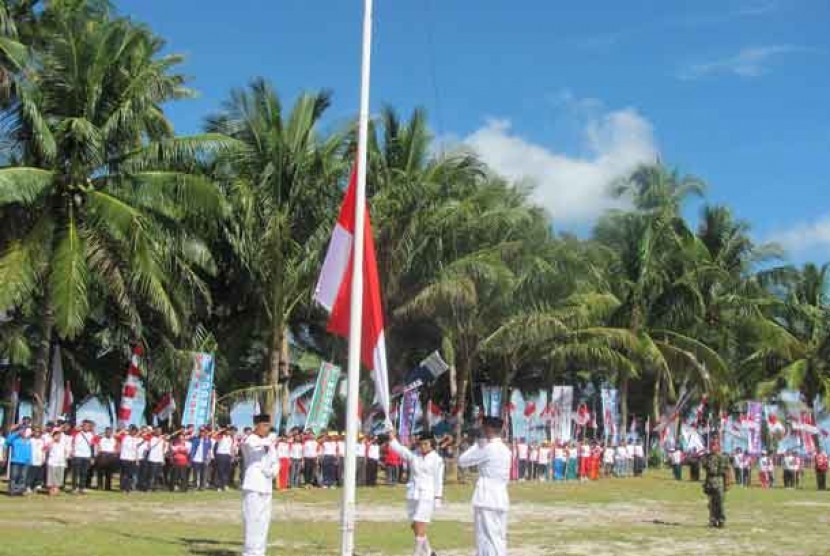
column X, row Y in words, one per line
column 566, row 95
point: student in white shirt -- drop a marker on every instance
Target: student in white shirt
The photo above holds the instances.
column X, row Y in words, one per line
column 224, row 459
column 490, row 500
column 82, row 452
column 156, row 451
column 425, row 489
column 36, row 470
column 295, row 450
column 128, row 455
column 608, row 460
column 523, row 451
column 329, row 461
column 261, row 466
column 106, row 459
column 55, row 464
column 310, row 451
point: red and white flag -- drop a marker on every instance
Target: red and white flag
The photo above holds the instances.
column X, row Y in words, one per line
column 165, row 407
column 132, row 386
column 68, row 399
column 530, row 409
column 334, row 291
column 434, row 415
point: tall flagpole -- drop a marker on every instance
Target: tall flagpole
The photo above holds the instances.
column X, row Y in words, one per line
column 348, row 506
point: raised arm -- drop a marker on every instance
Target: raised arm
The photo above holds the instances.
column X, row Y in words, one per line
column 400, row 449
column 474, row 455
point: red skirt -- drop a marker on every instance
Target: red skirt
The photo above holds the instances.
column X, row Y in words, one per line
column 285, row 470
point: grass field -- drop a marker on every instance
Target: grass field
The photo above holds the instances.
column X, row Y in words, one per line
column 648, row 516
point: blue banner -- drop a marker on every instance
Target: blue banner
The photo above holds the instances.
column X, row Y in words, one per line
column 198, row 405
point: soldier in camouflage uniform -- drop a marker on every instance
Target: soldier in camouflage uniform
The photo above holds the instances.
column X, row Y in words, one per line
column 717, row 468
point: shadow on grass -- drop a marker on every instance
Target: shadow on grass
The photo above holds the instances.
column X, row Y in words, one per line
column 209, row 547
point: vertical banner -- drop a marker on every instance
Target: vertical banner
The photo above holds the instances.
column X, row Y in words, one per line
column 562, row 413
column 610, row 415
column 319, row 413
column 517, row 420
column 754, row 417
column 198, row 404
column 409, row 409
column 133, row 398
column 491, row 397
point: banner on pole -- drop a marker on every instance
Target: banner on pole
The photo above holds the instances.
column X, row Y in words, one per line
column 319, row 413
column 754, row 415
column 610, row 415
column 198, row 404
column 409, row 408
column 561, row 413
column 491, row 397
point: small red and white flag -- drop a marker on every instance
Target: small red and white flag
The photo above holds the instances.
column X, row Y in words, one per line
column 530, row 409
column 165, row 407
column 68, row 399
column 434, row 415
column 334, row 291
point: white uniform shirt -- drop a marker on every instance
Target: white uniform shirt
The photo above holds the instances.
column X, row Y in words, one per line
column 544, row 455
column 330, row 448
column 677, row 457
column 630, row 452
column 493, row 461
column 82, row 444
column 534, row 454
column 106, row 445
column 765, row 464
column 523, row 450
column 638, row 451
column 38, row 454
column 224, row 446
column 296, row 450
column 608, row 455
column 373, row 452
column 426, row 480
column 360, row 449
column 622, row 453
column 129, row 448
column 790, row 463
column 57, row 455
column 341, row 448
column 310, row 448
column 560, row 454
column 203, row 457
column 156, row 449
column 261, row 464
column 585, row 451
column 282, row 450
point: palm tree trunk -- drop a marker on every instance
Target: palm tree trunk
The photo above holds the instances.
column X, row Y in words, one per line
column 41, row 361
column 623, row 405
column 8, row 400
column 655, row 407
column 278, row 363
column 461, row 401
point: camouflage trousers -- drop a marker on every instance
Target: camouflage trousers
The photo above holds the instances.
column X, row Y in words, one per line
column 716, row 515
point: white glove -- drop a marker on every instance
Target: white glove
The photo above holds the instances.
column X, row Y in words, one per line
column 438, row 503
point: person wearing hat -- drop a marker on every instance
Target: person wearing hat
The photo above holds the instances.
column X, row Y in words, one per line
column 490, row 500
column 716, row 482
column 425, row 488
column 261, row 467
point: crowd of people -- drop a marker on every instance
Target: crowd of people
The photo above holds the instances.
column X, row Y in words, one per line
column 582, row 460
column 59, row 456
column 62, row 457
column 767, row 464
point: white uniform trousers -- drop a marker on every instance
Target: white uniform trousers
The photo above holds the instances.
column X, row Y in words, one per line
column 256, row 517
column 491, row 532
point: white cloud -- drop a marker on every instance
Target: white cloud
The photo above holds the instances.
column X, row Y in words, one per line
column 805, row 236
column 748, row 62
column 574, row 189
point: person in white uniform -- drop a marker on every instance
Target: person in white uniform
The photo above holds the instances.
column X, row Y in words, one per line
column 424, row 490
column 490, row 500
column 261, row 466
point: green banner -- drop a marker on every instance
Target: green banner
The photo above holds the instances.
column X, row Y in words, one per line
column 319, row 412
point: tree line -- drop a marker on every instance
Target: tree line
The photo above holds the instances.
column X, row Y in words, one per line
column 115, row 230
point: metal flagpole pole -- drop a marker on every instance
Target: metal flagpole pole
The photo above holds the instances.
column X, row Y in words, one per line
column 348, row 506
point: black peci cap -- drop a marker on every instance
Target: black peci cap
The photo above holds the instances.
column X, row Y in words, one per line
column 262, row 418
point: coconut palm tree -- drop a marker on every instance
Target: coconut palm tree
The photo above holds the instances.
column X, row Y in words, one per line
column 283, row 188
column 105, row 205
column 796, row 355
